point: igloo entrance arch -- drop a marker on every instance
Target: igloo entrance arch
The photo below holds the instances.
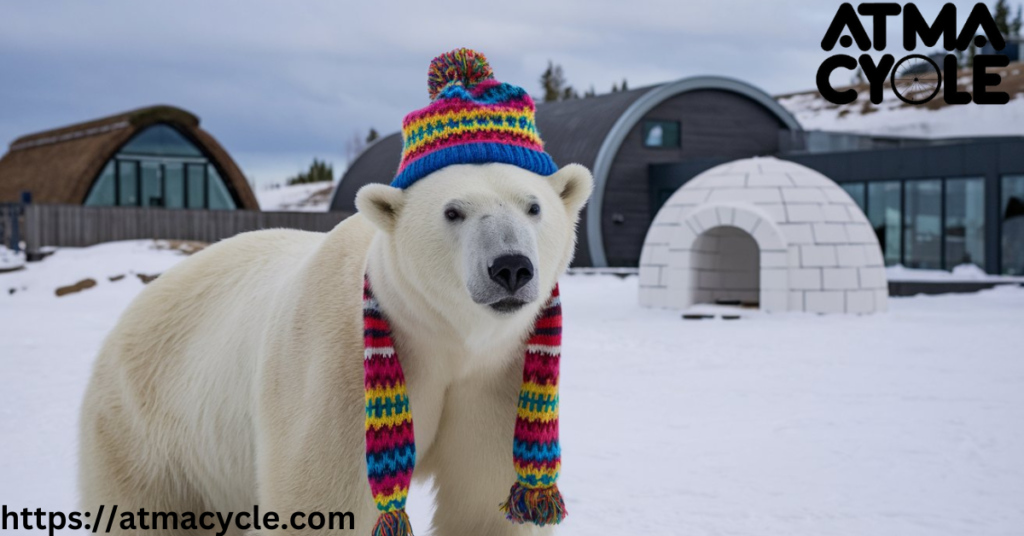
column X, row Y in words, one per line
column 720, row 252
column 815, row 250
column 726, row 267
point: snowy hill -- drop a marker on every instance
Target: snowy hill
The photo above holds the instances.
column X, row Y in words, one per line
column 792, row 424
column 935, row 119
column 313, row 197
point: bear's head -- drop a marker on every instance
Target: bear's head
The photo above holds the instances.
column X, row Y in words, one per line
column 492, row 236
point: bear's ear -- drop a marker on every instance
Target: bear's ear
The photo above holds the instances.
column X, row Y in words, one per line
column 380, row 204
column 573, row 184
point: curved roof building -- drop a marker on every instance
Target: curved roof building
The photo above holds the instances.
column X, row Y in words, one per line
column 763, row 231
column 618, row 136
column 150, row 157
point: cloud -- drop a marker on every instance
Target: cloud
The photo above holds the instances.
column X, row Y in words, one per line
column 297, row 78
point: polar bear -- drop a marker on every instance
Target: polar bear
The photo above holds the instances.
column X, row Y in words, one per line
column 236, row 378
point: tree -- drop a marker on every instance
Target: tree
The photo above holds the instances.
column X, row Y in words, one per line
column 556, row 87
column 318, row 172
column 553, row 82
column 1018, row 21
column 1001, row 14
column 356, row 143
column 858, row 77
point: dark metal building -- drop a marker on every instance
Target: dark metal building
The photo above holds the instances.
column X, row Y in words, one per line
column 619, row 136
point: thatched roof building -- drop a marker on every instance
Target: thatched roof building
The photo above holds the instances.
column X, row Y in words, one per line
column 76, row 164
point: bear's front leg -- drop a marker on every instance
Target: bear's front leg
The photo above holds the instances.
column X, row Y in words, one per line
column 321, row 491
column 311, row 454
column 471, row 459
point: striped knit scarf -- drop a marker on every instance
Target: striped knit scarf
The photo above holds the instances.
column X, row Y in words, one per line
column 391, row 447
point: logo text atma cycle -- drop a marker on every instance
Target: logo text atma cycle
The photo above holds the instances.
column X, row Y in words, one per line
column 914, row 78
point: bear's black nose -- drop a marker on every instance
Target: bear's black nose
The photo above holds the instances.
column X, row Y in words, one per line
column 511, row 271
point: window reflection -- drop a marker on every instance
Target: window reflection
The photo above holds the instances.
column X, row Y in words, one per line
column 856, row 191
column 965, row 222
column 218, row 195
column 196, row 186
column 661, row 134
column 152, row 185
column 161, row 140
column 104, row 192
column 127, row 183
column 884, row 200
column 922, row 225
column 1012, row 213
column 174, row 182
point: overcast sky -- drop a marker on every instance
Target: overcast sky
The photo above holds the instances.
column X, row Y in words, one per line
column 279, row 83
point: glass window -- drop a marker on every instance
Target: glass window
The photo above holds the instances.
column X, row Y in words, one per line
column 922, row 230
column 161, row 140
column 884, row 213
column 196, row 185
column 965, row 222
column 856, row 191
column 661, row 134
column 152, row 185
column 1012, row 209
column 160, row 167
column 218, row 194
column 174, row 185
column 104, row 190
column 128, row 184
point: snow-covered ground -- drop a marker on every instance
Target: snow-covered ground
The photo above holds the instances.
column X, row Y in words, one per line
column 909, row 423
column 313, row 197
column 962, row 273
column 11, row 260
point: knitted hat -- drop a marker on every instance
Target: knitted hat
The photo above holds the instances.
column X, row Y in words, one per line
column 472, row 119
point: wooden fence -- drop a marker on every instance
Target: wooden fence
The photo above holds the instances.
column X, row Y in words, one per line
column 10, row 225
column 80, row 226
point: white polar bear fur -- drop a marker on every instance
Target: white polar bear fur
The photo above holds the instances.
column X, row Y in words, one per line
column 236, row 378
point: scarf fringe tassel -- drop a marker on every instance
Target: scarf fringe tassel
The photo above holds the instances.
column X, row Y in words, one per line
column 540, row 506
column 393, row 523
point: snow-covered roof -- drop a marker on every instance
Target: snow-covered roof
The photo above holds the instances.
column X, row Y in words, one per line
column 309, row 197
column 935, row 119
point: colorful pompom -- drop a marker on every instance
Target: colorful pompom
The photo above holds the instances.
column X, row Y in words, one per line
column 462, row 65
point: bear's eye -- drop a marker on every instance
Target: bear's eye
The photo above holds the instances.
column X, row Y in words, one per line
column 534, row 209
column 452, row 214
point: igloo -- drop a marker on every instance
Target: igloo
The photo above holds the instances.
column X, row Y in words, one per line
column 763, row 231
